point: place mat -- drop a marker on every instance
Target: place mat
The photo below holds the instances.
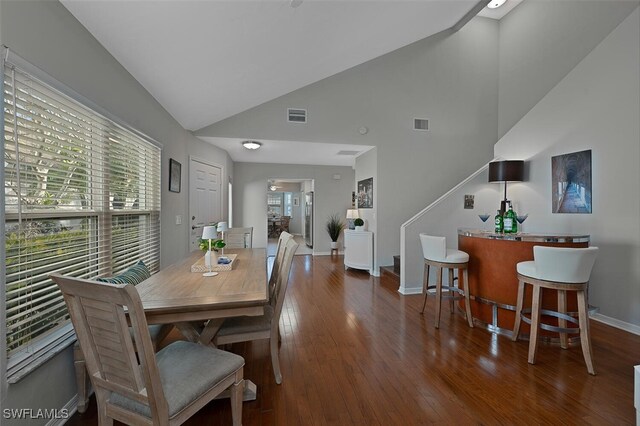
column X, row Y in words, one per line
column 199, row 266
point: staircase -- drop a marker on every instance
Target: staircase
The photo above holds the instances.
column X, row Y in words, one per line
column 392, row 272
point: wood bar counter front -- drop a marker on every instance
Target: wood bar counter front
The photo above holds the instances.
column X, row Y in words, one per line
column 493, row 281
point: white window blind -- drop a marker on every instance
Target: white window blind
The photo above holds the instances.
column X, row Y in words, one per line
column 82, row 198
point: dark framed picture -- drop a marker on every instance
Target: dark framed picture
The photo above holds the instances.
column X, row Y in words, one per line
column 175, row 172
column 571, row 182
column 365, row 194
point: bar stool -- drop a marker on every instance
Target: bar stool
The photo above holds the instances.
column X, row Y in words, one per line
column 560, row 269
column 437, row 254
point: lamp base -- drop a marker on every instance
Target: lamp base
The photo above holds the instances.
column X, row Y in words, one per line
column 209, row 274
column 503, row 206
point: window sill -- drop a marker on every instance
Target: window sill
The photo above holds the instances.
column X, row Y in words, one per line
column 21, row 364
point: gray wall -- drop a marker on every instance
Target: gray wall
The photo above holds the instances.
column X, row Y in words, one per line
column 541, row 41
column 451, row 79
column 48, row 36
column 596, row 106
column 250, row 197
column 367, row 167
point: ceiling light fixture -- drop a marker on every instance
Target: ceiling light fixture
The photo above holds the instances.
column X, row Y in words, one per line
column 251, row 145
column 295, row 3
column 273, row 188
column 495, row 4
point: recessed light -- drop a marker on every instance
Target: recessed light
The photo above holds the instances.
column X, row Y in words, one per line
column 251, row 145
column 495, row 3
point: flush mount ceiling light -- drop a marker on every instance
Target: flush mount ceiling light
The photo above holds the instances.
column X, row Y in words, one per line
column 495, row 3
column 295, row 3
column 251, row 144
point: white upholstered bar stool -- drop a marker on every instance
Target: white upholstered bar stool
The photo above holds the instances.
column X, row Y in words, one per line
column 436, row 254
column 560, row 269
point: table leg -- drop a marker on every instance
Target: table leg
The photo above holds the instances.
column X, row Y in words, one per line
column 210, row 331
column 189, row 331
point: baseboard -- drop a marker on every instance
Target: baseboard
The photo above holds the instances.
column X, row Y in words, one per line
column 409, row 291
column 613, row 322
column 71, row 407
column 326, row 253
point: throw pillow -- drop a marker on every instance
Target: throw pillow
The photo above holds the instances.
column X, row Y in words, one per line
column 134, row 275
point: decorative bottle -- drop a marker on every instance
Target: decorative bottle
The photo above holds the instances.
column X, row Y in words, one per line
column 499, row 223
column 509, row 221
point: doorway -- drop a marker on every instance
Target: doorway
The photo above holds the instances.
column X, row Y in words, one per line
column 287, row 210
column 205, row 198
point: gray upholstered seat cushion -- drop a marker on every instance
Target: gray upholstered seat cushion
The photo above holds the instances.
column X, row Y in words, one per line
column 187, row 370
column 240, row 325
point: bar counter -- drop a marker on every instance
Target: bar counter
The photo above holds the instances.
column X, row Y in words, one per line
column 493, row 281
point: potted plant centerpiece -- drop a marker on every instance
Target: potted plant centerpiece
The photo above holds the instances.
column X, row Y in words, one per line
column 335, row 225
column 359, row 224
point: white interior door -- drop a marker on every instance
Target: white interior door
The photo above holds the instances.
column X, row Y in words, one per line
column 205, row 198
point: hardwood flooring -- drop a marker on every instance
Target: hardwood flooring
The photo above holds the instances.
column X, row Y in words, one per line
column 356, row 352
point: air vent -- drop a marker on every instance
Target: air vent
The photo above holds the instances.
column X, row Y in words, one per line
column 421, row 124
column 348, row 152
column 295, row 115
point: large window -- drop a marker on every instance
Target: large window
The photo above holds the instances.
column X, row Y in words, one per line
column 81, row 197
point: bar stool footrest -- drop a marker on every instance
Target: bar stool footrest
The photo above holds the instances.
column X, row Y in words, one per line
column 550, row 327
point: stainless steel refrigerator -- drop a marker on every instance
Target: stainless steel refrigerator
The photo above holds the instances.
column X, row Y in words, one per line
column 308, row 218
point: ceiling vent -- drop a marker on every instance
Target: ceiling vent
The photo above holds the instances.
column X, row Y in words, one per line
column 348, row 152
column 296, row 115
column 421, row 124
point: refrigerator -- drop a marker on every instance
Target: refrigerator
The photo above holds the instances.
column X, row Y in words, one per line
column 308, row 218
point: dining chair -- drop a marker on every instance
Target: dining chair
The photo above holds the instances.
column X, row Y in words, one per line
column 136, row 386
column 284, row 224
column 267, row 326
column 282, row 242
column 239, row 237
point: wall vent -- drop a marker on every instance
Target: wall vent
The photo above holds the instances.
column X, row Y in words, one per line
column 296, row 115
column 421, row 124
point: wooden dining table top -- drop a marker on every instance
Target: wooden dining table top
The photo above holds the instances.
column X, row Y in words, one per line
column 176, row 294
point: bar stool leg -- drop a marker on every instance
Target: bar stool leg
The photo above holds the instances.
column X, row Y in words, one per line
column 451, row 291
column 585, row 336
column 516, row 325
column 467, row 299
column 425, row 286
column 535, row 322
column 562, row 323
column 438, row 295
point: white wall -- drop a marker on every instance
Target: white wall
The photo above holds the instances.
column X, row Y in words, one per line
column 451, row 79
column 48, row 36
column 596, row 106
column 330, row 196
column 541, row 41
column 367, row 167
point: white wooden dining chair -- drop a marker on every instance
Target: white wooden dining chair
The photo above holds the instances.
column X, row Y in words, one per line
column 282, row 242
column 243, row 329
column 144, row 389
column 239, row 237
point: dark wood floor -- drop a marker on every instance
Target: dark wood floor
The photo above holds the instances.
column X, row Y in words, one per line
column 354, row 351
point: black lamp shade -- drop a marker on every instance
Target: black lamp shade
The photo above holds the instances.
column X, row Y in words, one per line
column 506, row 171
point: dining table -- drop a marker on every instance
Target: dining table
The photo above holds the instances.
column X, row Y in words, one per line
column 197, row 305
column 274, row 223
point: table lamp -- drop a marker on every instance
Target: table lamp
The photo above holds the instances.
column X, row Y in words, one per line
column 506, row 171
column 222, row 226
column 209, row 233
column 351, row 215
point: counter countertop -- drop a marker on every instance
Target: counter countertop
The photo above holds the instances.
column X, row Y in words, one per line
column 525, row 236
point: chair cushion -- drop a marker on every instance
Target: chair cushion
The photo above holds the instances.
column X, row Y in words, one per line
column 528, row 269
column 456, row 256
column 241, row 325
column 187, row 371
column 134, row 275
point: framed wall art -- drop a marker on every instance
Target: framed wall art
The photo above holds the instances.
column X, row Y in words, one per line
column 175, row 174
column 571, row 182
column 365, row 193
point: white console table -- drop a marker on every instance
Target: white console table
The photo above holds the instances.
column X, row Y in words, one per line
column 358, row 250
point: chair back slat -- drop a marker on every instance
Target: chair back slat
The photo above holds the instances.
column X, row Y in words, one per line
column 433, row 247
column 275, row 270
column 99, row 314
column 239, row 237
column 282, row 281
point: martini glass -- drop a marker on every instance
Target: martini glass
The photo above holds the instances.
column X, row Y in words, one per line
column 521, row 218
column 484, row 216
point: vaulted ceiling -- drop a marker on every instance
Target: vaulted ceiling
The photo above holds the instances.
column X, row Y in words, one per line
column 207, row 60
